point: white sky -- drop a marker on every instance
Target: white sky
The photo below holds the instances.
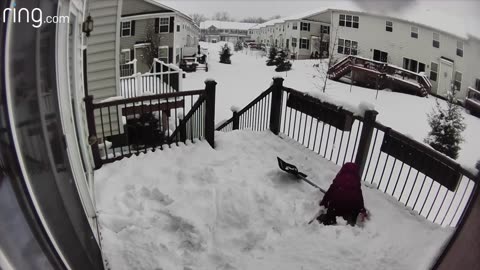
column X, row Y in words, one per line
column 453, row 16
column 268, row 8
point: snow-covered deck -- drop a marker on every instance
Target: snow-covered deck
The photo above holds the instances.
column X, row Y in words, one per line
column 194, row 207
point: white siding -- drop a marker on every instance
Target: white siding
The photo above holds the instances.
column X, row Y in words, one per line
column 101, row 56
column 371, row 35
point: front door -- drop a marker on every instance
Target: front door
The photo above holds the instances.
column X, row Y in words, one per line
column 69, row 55
column 142, row 60
column 380, row 56
column 444, row 77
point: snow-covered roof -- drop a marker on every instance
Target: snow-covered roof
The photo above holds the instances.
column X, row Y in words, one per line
column 226, row 25
column 157, row 3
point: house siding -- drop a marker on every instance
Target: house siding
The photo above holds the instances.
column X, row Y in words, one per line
column 101, row 56
column 398, row 44
column 166, row 39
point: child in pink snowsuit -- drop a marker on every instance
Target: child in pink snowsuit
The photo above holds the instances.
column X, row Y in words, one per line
column 344, row 197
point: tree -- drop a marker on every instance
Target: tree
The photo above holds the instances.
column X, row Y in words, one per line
column 447, row 126
column 272, row 55
column 275, row 17
column 153, row 40
column 322, row 67
column 198, row 18
column 282, row 63
column 221, row 16
column 254, row 20
column 225, row 54
column 238, row 46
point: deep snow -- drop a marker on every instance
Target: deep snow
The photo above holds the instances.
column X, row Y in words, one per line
column 194, row 207
column 247, row 76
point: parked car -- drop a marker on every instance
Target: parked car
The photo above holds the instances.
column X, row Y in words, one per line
column 189, row 64
column 472, row 102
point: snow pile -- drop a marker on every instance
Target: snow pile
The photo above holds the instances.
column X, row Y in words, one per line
column 193, row 207
column 248, row 76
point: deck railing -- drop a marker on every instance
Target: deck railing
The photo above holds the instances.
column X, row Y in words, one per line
column 419, row 177
column 124, row 127
column 164, row 78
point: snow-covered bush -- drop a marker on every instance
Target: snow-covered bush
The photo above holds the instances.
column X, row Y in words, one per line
column 238, row 46
column 225, row 54
column 447, row 126
column 272, row 56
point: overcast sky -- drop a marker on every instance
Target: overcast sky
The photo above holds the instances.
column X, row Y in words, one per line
column 268, row 8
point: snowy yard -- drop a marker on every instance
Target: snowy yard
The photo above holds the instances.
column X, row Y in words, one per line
column 247, row 76
column 194, row 207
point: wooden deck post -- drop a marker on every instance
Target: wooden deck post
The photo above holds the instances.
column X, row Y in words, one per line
column 276, row 106
column 92, row 132
column 210, row 112
column 236, row 120
column 365, row 139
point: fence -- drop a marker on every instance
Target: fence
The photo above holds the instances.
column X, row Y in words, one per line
column 417, row 176
column 130, row 126
column 165, row 78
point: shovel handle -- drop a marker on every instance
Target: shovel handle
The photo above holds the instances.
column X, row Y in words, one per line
column 312, row 184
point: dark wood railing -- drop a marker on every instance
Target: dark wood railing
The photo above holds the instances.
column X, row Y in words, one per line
column 124, row 127
column 418, row 176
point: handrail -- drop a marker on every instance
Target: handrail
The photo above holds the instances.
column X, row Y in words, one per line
column 189, row 115
column 121, row 101
column 249, row 105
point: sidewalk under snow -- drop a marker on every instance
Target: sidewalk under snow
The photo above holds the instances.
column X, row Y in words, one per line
column 193, row 207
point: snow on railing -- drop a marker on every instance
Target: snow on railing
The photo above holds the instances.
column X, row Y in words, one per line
column 165, row 78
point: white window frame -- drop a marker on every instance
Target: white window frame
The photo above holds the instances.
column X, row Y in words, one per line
column 459, row 48
column 294, row 42
column 304, row 26
column 295, row 25
column 160, row 24
column 436, row 37
column 342, row 46
column 458, row 82
column 304, row 45
column 129, row 28
column 125, row 52
column 433, row 71
column 387, row 26
column 349, row 19
column 414, row 32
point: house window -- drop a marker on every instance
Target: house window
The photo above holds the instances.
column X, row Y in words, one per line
column 433, row 71
column 436, row 40
column 347, row 47
column 294, row 25
column 477, row 84
column 349, row 21
column 163, row 54
column 389, row 26
column 413, row 65
column 414, row 32
column 178, row 28
column 460, row 48
column 164, row 25
column 126, row 29
column 325, row 29
column 458, row 81
column 294, row 42
column 125, row 56
column 304, row 43
column 304, row 26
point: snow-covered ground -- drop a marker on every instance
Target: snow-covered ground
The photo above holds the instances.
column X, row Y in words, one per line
column 194, row 207
column 247, row 76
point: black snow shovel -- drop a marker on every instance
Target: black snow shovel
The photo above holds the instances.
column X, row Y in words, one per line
column 292, row 169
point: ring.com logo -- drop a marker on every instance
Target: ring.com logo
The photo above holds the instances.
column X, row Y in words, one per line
column 34, row 16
